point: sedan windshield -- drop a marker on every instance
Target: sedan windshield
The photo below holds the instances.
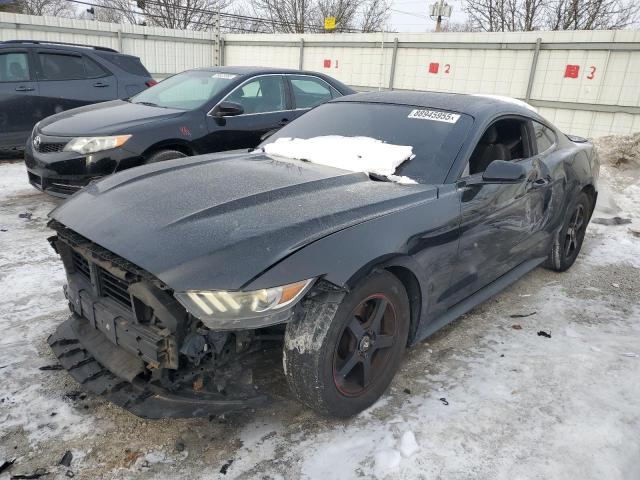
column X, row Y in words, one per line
column 433, row 138
column 185, row 91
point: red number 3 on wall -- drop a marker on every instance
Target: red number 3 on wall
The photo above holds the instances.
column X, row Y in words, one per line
column 592, row 72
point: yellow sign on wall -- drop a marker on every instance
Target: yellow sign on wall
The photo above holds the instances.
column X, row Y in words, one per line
column 330, row 23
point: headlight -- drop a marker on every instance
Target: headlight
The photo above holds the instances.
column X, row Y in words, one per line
column 222, row 309
column 35, row 129
column 86, row 145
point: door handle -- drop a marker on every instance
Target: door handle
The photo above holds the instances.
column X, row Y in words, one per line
column 100, row 84
column 22, row 88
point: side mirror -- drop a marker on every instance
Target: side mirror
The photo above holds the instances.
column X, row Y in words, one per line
column 227, row 109
column 500, row 171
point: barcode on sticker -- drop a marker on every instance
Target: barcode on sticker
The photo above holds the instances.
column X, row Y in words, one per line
column 434, row 115
column 226, row 76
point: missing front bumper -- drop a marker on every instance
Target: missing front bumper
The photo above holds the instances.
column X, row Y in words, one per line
column 92, row 360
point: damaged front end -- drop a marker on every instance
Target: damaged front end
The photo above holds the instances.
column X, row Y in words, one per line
column 129, row 340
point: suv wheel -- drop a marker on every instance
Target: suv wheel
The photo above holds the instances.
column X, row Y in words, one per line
column 341, row 356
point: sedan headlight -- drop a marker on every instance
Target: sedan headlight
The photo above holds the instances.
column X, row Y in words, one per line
column 85, row 145
column 222, row 309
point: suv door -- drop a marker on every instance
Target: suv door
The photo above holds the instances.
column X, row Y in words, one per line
column 68, row 80
column 308, row 91
column 266, row 107
column 502, row 225
column 18, row 97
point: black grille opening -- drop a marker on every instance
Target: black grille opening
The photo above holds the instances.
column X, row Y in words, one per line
column 114, row 288
column 50, row 147
column 63, row 188
column 81, row 265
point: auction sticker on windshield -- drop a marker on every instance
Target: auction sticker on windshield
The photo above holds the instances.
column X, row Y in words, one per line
column 434, row 115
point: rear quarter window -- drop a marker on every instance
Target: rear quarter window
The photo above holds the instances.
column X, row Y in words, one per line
column 129, row 64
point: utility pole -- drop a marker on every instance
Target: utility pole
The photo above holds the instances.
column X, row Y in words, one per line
column 438, row 10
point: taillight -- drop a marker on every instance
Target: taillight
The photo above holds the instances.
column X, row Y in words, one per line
column 150, row 83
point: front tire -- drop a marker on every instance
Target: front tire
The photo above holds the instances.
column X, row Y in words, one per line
column 568, row 242
column 163, row 155
column 342, row 354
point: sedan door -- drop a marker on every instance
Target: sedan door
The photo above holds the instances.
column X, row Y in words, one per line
column 266, row 107
column 18, row 98
column 71, row 80
column 502, row 225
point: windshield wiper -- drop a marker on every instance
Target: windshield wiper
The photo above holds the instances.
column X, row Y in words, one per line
column 149, row 104
column 378, row 178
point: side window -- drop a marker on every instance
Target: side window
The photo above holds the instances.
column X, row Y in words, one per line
column 545, row 138
column 503, row 140
column 262, row 95
column 309, row 92
column 56, row 66
column 14, row 67
column 92, row 69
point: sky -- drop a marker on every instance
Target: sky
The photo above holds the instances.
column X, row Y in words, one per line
column 416, row 16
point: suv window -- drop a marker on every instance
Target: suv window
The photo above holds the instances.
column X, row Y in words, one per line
column 262, row 95
column 58, row 66
column 14, row 67
column 92, row 69
column 309, row 92
column 504, row 140
column 129, row 64
column 545, row 138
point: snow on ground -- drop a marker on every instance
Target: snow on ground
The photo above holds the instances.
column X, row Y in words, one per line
column 487, row 397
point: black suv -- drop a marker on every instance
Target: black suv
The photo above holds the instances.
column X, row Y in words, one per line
column 194, row 112
column 39, row 79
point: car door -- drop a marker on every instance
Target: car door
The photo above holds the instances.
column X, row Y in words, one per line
column 18, row 97
column 501, row 225
column 266, row 107
column 69, row 80
column 308, row 91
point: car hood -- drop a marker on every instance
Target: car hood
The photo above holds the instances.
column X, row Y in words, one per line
column 219, row 221
column 106, row 118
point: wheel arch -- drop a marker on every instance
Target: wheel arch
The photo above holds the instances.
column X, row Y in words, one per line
column 170, row 144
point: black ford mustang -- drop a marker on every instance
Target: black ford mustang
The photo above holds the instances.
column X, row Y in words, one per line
column 180, row 274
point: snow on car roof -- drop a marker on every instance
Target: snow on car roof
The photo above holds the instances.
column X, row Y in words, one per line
column 356, row 154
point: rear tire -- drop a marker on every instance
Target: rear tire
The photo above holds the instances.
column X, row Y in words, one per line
column 342, row 354
column 568, row 242
column 163, row 155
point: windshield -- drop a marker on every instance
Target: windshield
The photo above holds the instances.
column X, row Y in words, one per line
column 434, row 136
column 186, row 90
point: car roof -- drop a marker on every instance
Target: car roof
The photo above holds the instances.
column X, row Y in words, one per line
column 77, row 47
column 478, row 106
column 247, row 70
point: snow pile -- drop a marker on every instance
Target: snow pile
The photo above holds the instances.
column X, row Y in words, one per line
column 619, row 150
column 357, row 154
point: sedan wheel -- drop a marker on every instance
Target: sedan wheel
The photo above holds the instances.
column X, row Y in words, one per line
column 341, row 354
column 566, row 247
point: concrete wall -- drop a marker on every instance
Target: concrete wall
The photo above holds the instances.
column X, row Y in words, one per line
column 163, row 51
column 601, row 97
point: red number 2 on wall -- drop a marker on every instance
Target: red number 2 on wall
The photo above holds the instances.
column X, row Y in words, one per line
column 592, row 72
column 447, row 67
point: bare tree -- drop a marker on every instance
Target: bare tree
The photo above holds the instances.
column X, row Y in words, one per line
column 183, row 14
column 527, row 15
column 592, row 14
column 56, row 8
column 373, row 15
column 115, row 11
column 300, row 16
column 286, row 16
